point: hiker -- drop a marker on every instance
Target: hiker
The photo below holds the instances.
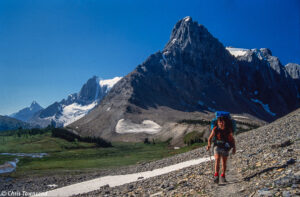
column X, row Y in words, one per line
column 222, row 133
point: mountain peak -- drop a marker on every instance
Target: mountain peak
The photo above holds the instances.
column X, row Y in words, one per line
column 35, row 106
column 34, row 103
column 266, row 51
column 187, row 18
column 189, row 35
column 26, row 113
column 93, row 78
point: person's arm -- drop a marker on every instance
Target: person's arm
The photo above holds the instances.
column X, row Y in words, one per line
column 233, row 143
column 212, row 134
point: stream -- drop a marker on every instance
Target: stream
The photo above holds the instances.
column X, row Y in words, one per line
column 11, row 166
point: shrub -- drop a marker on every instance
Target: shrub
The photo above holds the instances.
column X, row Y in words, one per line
column 189, row 121
column 146, row 141
column 72, row 137
column 193, row 137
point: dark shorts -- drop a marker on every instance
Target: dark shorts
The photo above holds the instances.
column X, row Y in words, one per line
column 221, row 151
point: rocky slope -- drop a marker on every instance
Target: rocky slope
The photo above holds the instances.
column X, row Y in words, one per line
column 266, row 163
column 192, row 77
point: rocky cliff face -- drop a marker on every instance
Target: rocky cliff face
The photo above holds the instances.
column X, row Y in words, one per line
column 192, row 77
column 294, row 72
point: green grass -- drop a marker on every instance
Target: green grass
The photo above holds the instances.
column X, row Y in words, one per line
column 77, row 157
column 4, row 158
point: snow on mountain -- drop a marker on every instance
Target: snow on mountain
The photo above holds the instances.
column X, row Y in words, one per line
column 76, row 105
column 236, row 52
column 192, row 76
column 147, row 126
column 109, row 83
column 259, row 53
column 265, row 106
column 75, row 111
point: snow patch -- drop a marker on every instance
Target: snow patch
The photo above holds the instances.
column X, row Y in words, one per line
column 237, row 116
column 75, row 111
column 52, row 185
column 187, row 18
column 237, row 51
column 116, row 180
column 174, row 40
column 147, row 126
column 164, row 57
column 109, row 83
column 265, row 106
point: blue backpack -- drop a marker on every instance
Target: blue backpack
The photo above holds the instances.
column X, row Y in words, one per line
column 218, row 114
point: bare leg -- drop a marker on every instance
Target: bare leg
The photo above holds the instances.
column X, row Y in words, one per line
column 217, row 163
column 224, row 163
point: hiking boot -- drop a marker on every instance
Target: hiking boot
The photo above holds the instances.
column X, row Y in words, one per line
column 223, row 179
column 216, row 179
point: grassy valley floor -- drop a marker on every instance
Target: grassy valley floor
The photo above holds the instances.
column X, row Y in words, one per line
column 77, row 157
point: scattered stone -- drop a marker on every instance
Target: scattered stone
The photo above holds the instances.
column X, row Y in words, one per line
column 286, row 194
column 264, row 192
column 283, row 144
column 291, row 161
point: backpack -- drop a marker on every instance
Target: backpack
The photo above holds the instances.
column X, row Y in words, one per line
column 213, row 123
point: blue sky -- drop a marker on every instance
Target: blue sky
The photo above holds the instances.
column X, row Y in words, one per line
column 49, row 49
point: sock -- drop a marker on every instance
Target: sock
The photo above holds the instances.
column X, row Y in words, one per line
column 222, row 175
column 216, row 174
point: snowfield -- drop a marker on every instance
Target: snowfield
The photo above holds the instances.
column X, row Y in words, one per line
column 237, row 116
column 75, row 111
column 109, row 83
column 265, row 106
column 147, row 126
column 116, row 180
column 237, row 51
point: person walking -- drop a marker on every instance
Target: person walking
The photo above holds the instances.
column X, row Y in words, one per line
column 223, row 140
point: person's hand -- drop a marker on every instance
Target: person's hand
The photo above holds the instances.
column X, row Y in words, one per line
column 233, row 150
column 208, row 147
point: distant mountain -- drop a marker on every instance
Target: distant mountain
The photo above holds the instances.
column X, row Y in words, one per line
column 294, row 72
column 8, row 123
column 76, row 105
column 28, row 112
column 193, row 76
